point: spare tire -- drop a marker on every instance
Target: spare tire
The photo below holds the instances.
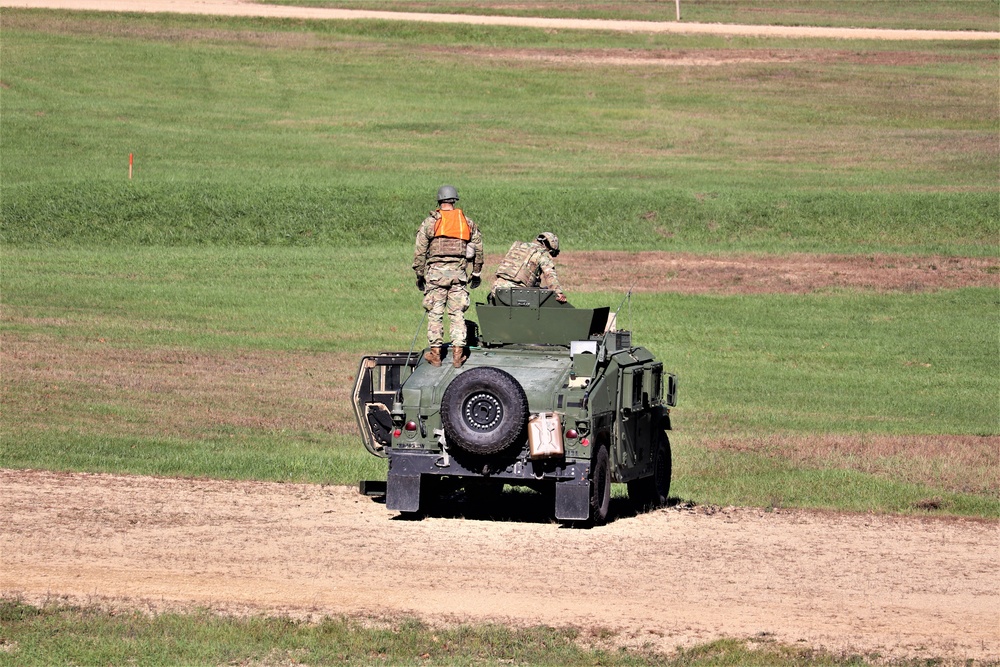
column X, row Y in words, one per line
column 484, row 410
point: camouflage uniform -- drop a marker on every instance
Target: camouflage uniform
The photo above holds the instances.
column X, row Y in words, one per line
column 527, row 265
column 444, row 270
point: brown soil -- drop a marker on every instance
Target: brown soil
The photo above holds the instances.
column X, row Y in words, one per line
column 705, row 57
column 668, row 578
column 755, row 274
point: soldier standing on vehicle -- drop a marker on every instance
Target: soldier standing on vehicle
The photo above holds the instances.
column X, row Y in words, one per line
column 530, row 265
column 447, row 242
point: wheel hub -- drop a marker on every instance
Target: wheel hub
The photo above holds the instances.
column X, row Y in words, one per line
column 483, row 412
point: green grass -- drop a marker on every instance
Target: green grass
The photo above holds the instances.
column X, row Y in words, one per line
column 89, row 636
column 298, row 457
column 657, row 218
column 936, row 15
column 839, row 362
column 317, row 133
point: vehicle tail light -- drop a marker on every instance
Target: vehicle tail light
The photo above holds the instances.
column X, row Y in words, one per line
column 571, row 434
column 411, row 426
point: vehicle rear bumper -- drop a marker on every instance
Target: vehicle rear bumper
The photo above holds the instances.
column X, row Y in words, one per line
column 412, row 463
column 407, row 468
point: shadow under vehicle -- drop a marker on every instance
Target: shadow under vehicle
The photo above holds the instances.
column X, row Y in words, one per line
column 552, row 397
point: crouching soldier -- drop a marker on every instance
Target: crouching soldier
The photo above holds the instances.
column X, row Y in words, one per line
column 447, row 242
column 530, row 265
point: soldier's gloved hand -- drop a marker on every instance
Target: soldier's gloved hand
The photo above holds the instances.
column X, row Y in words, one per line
column 421, row 283
column 561, row 298
column 475, row 281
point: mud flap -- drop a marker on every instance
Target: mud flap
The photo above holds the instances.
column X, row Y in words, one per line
column 403, row 493
column 573, row 500
column 371, row 487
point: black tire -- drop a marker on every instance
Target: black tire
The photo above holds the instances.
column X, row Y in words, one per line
column 484, row 410
column 654, row 491
column 600, row 486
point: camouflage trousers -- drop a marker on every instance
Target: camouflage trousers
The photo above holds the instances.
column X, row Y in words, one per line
column 503, row 283
column 446, row 294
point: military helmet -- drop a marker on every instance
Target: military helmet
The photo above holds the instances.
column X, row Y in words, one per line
column 550, row 240
column 447, row 193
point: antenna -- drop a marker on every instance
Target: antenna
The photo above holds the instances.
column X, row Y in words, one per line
column 627, row 297
column 415, row 334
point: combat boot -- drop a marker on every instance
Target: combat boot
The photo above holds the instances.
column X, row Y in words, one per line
column 433, row 355
column 458, row 356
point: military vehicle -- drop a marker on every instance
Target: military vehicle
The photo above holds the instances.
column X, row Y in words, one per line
column 552, row 397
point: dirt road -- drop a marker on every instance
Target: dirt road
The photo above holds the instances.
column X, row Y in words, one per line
column 899, row 586
column 247, row 8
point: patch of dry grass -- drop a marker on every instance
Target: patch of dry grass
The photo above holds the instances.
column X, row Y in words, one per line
column 99, row 387
column 94, row 386
column 956, row 463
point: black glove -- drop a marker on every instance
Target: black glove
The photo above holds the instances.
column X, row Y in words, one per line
column 421, row 283
column 475, row 281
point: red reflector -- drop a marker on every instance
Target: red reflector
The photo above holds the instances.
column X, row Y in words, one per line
column 585, row 442
column 397, row 433
column 411, row 426
column 571, row 434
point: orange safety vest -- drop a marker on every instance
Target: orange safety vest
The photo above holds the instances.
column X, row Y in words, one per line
column 453, row 225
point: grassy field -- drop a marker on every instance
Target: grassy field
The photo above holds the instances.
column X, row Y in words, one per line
column 308, row 133
column 940, row 15
column 283, row 165
column 156, row 346
column 203, row 319
column 51, row 635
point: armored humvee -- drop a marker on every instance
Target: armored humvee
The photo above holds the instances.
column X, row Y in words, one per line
column 552, row 397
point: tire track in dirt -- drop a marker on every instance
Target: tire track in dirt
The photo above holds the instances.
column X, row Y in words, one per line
column 244, row 8
column 899, row 586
